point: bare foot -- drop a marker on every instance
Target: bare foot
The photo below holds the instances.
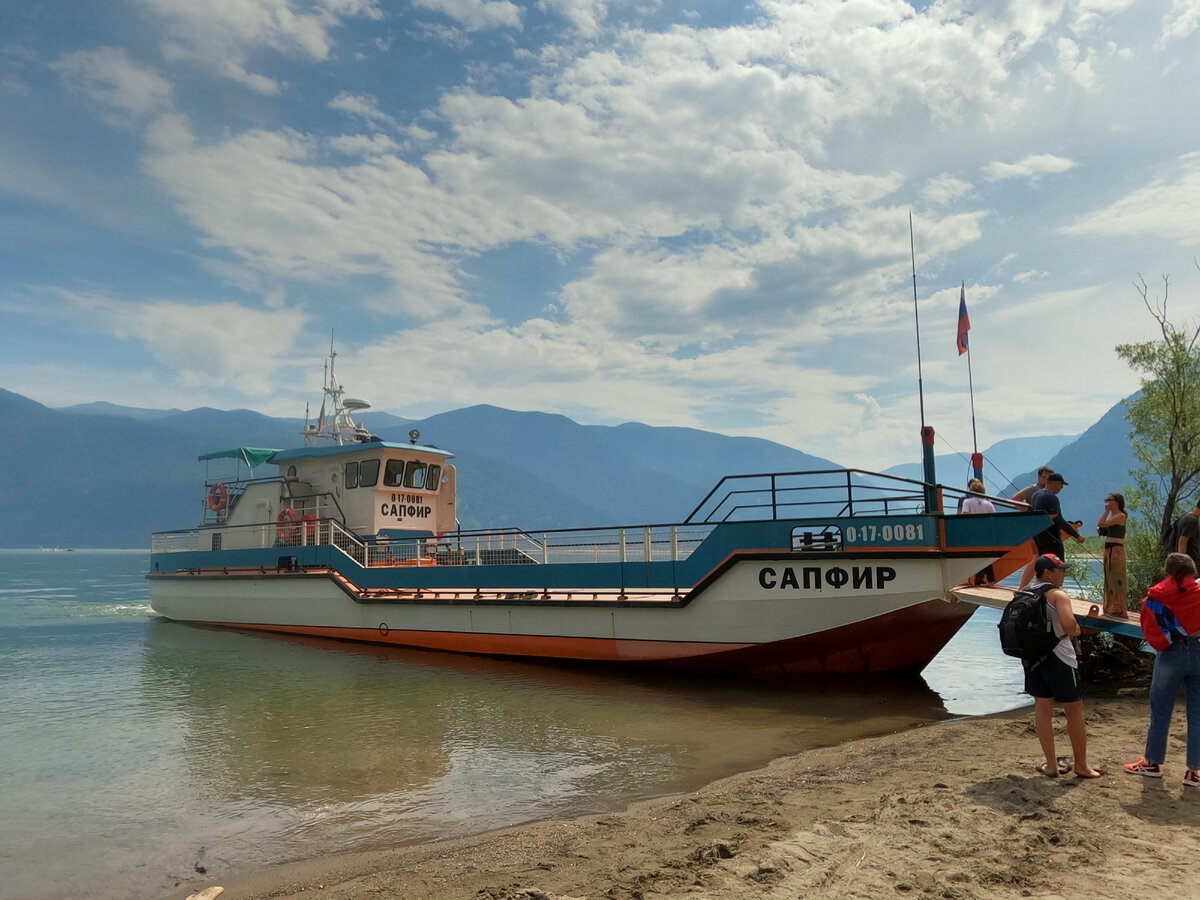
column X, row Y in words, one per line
column 1089, row 772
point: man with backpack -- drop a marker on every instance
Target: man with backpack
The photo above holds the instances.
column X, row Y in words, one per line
column 1054, row 678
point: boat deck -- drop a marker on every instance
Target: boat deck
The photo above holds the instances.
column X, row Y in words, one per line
column 448, row 595
column 1087, row 614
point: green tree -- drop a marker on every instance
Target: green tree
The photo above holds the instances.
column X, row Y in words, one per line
column 1164, row 418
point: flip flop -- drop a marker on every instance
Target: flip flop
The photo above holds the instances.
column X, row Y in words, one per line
column 1043, row 769
column 1064, row 765
column 1095, row 774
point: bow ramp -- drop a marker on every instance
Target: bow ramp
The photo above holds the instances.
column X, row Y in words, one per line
column 1088, row 614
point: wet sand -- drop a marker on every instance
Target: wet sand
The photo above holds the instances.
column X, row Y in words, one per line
column 953, row 810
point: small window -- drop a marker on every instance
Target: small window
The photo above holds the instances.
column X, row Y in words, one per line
column 291, row 472
column 351, row 475
column 414, row 475
column 393, row 474
column 433, row 477
column 368, row 473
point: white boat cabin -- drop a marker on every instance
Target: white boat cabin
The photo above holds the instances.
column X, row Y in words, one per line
column 381, row 492
column 378, row 490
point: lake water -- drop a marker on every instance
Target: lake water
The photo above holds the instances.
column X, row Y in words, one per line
column 133, row 749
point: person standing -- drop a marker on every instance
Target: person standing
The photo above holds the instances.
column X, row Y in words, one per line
column 1171, row 624
column 1189, row 534
column 1055, row 677
column 1025, row 495
column 1050, row 541
column 974, row 503
column 1112, row 528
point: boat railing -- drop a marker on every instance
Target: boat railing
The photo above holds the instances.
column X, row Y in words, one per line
column 825, row 493
column 510, row 546
column 513, row 546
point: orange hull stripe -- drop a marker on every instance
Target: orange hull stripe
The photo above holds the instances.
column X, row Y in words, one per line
column 550, row 647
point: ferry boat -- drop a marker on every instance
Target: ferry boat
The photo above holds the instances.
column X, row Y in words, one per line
column 355, row 538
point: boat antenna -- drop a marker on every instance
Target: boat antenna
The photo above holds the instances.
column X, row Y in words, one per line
column 930, row 479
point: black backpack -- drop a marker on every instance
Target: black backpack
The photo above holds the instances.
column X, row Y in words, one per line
column 1026, row 631
column 1170, row 535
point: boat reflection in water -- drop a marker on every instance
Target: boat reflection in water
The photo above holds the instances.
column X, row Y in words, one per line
column 295, row 747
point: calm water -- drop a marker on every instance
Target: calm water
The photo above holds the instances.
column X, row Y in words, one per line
column 133, row 749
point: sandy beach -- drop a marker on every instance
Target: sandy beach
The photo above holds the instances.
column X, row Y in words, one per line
column 950, row 810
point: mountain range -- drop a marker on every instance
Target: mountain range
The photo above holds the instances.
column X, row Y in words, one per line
column 99, row 475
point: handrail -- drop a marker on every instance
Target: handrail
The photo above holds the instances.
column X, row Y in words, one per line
column 839, row 490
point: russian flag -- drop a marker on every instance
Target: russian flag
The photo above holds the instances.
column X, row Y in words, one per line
column 964, row 321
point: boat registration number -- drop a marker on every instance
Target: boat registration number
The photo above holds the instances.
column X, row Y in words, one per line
column 900, row 532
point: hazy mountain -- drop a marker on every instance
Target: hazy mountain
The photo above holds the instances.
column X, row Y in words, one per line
column 101, row 408
column 106, row 476
column 1095, row 463
column 101, row 479
column 1002, row 462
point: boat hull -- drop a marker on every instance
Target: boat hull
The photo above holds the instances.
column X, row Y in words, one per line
column 756, row 614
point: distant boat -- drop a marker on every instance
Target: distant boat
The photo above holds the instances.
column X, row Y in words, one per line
column 355, row 538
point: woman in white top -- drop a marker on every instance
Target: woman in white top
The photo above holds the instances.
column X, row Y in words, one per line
column 977, row 503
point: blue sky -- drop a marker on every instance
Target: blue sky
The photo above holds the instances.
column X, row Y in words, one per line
column 675, row 213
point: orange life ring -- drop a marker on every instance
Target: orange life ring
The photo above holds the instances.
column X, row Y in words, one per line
column 287, row 524
column 218, row 497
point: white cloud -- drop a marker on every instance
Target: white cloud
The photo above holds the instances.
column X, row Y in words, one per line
column 1029, row 167
column 477, row 15
column 1166, row 207
column 364, row 107
column 1076, row 64
column 1181, row 22
column 126, row 92
column 221, row 33
column 362, row 145
column 585, row 15
column 945, row 189
column 268, row 198
column 209, row 345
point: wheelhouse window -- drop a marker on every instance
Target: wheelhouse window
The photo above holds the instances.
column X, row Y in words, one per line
column 433, row 477
column 414, row 475
column 368, row 473
column 393, row 473
column 351, row 479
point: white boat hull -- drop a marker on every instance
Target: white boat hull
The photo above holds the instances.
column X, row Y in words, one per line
column 796, row 614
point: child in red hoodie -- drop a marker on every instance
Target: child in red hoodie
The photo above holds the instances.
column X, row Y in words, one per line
column 1171, row 624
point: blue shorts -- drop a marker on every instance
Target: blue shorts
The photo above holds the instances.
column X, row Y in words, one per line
column 1053, row 678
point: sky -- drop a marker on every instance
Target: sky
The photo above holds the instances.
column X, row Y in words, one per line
column 683, row 214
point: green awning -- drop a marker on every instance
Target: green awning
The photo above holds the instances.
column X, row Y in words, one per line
column 251, row 456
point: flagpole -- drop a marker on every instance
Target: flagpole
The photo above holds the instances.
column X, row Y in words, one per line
column 912, row 249
column 964, row 346
column 932, row 504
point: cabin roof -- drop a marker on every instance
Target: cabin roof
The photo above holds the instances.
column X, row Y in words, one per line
column 251, row 456
column 281, row 456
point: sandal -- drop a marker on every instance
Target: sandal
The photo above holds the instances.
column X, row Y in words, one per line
column 1064, row 765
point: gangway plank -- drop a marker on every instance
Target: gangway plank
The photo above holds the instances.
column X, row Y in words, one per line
column 1088, row 615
